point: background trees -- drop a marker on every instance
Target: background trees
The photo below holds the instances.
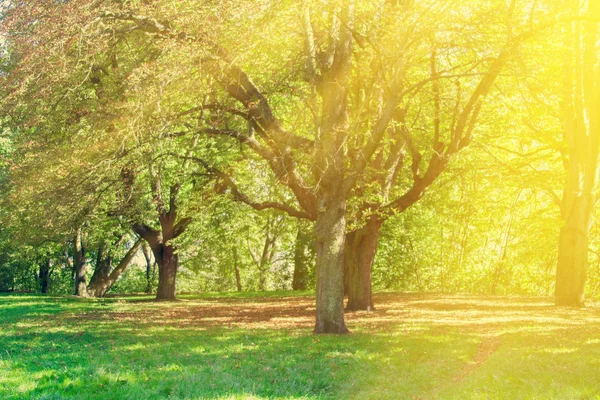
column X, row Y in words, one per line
column 181, row 122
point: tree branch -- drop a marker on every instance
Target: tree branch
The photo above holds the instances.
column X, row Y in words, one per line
column 240, row 196
column 239, row 86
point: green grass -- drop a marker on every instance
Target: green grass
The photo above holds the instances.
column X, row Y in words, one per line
column 414, row 346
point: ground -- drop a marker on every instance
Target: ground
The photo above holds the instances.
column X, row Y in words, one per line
column 238, row 346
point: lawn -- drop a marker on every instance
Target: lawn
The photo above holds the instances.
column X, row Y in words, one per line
column 230, row 346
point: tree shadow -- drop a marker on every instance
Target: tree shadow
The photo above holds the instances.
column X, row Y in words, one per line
column 209, row 348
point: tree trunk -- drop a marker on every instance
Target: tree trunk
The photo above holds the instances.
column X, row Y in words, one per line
column 330, row 227
column 159, row 240
column 79, row 264
column 582, row 133
column 149, row 267
column 44, row 276
column 236, row 269
column 266, row 258
column 168, row 264
column 101, row 272
column 573, row 258
column 102, row 285
column 330, row 232
column 360, row 249
column 301, row 259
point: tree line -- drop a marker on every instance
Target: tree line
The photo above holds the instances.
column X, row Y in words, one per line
column 172, row 127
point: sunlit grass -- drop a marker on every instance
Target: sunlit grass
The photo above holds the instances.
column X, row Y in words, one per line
column 244, row 347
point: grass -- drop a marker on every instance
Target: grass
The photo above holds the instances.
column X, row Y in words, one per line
column 228, row 346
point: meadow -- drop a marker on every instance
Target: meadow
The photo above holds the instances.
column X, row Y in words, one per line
column 261, row 346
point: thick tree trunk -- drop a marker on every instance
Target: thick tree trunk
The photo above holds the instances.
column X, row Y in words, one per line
column 330, row 227
column 573, row 256
column 168, row 264
column 171, row 227
column 44, row 276
column 581, row 102
column 360, row 249
column 79, row 265
column 101, row 286
column 330, row 232
column 101, row 272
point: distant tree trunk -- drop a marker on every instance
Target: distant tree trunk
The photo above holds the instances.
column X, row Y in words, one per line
column 102, row 285
column 149, row 266
column 582, row 133
column 168, row 265
column 236, row 269
column 501, row 263
column 266, row 257
column 79, row 264
column 101, row 271
column 44, row 275
column 304, row 240
column 360, row 249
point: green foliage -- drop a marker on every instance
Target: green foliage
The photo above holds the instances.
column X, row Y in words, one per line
column 119, row 97
column 132, row 281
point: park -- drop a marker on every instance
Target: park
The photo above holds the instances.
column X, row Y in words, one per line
column 299, row 199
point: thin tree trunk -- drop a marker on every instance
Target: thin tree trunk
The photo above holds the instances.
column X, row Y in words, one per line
column 44, row 276
column 236, row 270
column 79, row 264
column 442, row 263
column 360, row 249
column 149, row 266
column 504, row 247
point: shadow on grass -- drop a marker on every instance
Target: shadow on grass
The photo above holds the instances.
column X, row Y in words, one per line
column 108, row 362
column 413, row 346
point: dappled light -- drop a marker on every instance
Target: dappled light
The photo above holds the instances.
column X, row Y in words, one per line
column 483, row 315
column 198, row 345
column 316, row 199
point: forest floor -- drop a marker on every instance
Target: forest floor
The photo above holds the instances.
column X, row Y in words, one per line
column 255, row 346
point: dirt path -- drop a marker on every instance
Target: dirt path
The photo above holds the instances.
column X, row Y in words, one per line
column 488, row 346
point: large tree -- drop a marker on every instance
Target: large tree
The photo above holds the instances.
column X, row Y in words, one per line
column 581, row 105
column 366, row 90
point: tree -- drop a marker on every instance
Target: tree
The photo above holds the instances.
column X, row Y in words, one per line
column 581, row 102
column 360, row 126
column 355, row 110
column 105, row 273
